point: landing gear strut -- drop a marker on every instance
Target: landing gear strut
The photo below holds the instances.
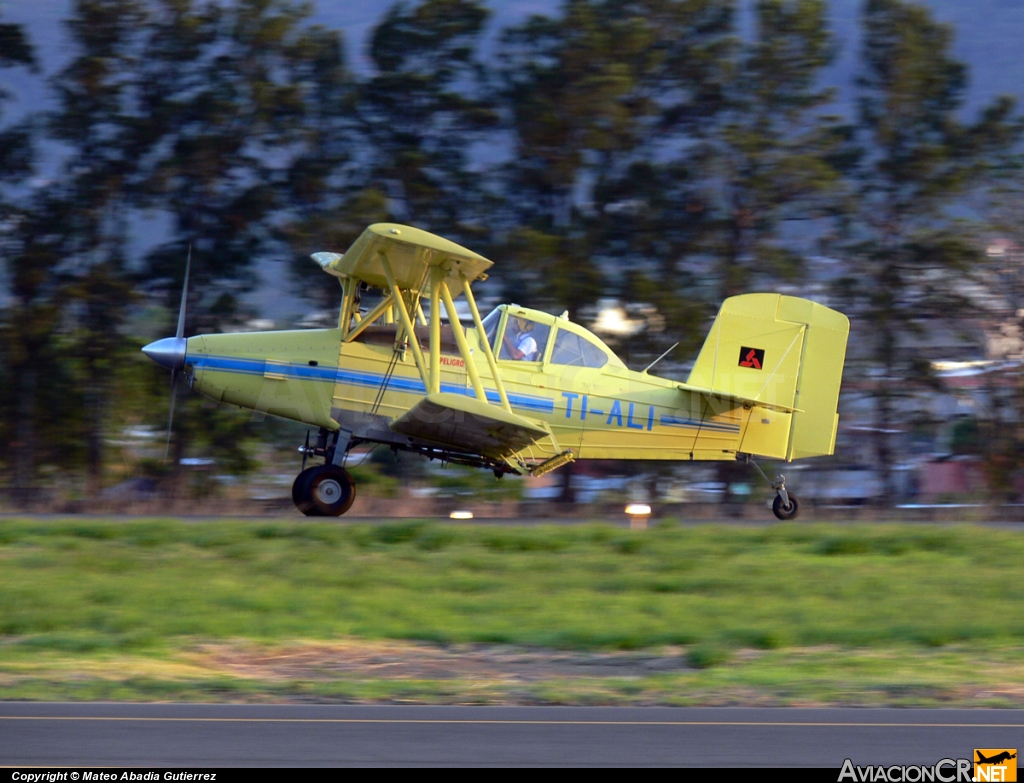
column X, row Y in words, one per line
column 326, row 490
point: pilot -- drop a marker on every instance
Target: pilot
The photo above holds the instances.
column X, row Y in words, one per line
column 525, row 349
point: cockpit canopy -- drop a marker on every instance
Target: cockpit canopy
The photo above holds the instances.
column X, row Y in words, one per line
column 520, row 334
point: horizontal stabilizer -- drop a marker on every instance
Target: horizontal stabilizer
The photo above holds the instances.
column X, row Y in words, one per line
column 468, row 425
column 742, row 400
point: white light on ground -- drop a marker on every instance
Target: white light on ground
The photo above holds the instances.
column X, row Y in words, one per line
column 461, row 515
column 638, row 513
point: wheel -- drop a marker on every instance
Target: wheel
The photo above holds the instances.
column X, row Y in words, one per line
column 329, row 491
column 782, row 512
column 300, row 492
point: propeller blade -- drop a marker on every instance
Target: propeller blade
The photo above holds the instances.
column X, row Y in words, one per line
column 184, row 297
column 170, row 417
column 178, row 335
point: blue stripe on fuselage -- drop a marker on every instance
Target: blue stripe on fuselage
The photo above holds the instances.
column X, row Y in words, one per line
column 353, row 378
column 672, row 421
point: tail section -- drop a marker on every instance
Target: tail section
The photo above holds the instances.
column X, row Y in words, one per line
column 786, row 353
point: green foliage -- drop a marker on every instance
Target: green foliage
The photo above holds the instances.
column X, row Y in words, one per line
column 767, row 160
column 704, row 656
column 586, row 93
column 423, row 107
column 918, row 161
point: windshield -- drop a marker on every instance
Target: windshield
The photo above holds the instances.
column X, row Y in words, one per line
column 490, row 324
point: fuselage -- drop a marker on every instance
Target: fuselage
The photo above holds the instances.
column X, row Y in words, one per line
column 599, row 412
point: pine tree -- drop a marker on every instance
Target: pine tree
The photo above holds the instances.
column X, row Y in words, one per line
column 769, row 161
column 221, row 110
column 600, row 99
column 15, row 151
column 224, row 97
column 423, row 109
column 93, row 195
column 26, row 320
column 330, row 197
column 919, row 162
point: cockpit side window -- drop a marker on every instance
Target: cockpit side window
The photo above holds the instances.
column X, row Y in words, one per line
column 574, row 350
column 595, row 357
column 524, row 340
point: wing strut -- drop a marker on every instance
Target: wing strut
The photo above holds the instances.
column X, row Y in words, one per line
column 485, row 345
column 382, row 308
column 434, row 386
column 460, row 340
column 403, row 313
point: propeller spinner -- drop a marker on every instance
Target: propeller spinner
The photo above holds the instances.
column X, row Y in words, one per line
column 170, row 351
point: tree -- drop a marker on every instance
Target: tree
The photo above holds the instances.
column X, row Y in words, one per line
column 31, row 350
column 221, row 109
column 91, row 201
column 396, row 145
column 15, row 150
column 423, row 109
column 329, row 199
column 26, row 321
column 224, row 94
column 767, row 159
column 590, row 94
column 919, row 161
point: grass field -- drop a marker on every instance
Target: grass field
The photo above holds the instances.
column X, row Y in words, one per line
column 795, row 613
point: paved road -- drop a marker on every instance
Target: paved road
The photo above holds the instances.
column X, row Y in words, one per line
column 241, row 735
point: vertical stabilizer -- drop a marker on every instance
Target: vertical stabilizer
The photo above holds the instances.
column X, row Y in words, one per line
column 781, row 351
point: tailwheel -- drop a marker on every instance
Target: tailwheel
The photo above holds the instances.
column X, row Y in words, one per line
column 785, row 506
column 784, row 511
column 324, row 491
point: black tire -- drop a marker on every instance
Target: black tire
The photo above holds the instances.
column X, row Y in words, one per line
column 786, row 513
column 300, row 493
column 328, row 492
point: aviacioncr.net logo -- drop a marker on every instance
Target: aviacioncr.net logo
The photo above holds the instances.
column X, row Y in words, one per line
column 942, row 771
column 997, row 765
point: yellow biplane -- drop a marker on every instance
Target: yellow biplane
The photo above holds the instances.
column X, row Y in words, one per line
column 519, row 391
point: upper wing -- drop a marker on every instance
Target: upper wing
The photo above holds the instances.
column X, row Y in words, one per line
column 410, row 251
column 468, row 425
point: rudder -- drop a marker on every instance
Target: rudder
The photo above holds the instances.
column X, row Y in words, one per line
column 816, row 421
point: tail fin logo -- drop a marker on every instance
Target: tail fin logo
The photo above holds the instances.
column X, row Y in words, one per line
column 752, row 357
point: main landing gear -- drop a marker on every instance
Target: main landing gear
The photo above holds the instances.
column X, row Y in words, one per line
column 325, row 490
